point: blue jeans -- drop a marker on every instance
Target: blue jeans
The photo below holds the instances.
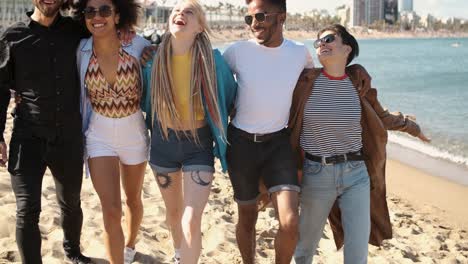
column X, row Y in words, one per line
column 322, row 185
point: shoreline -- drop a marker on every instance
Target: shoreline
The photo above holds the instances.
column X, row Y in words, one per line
column 428, row 193
column 437, row 167
column 231, row 35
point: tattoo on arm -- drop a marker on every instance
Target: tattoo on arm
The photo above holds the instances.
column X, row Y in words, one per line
column 163, row 180
column 195, row 175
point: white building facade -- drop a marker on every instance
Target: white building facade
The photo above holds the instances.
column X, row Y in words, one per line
column 12, row 11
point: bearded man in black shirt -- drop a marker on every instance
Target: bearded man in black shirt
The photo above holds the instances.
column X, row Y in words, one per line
column 38, row 62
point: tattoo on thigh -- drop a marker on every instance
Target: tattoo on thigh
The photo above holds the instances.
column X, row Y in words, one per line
column 197, row 178
column 163, row 179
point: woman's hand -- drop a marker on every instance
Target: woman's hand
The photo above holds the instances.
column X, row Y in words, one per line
column 423, row 137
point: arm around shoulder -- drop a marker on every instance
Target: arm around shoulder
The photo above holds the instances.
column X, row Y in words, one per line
column 225, row 78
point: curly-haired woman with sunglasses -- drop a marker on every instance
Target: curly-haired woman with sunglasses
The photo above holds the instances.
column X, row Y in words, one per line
column 116, row 138
column 339, row 132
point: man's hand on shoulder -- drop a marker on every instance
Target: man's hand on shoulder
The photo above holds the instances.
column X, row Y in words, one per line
column 148, row 54
column 126, row 35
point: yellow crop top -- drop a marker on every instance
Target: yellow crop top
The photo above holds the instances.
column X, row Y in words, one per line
column 181, row 75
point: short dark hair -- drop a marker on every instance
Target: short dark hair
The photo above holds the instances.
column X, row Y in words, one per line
column 127, row 9
column 281, row 4
column 347, row 38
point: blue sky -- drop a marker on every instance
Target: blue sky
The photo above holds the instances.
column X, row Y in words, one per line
column 439, row 8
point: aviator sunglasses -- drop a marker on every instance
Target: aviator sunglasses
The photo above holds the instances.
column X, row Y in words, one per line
column 104, row 11
column 260, row 17
column 327, row 39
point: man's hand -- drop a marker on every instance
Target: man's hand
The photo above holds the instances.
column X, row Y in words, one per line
column 148, row 54
column 3, row 154
column 126, row 35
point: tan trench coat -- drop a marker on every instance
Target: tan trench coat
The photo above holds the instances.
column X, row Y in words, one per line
column 375, row 121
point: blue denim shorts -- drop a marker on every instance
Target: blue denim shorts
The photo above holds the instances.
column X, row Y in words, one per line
column 181, row 151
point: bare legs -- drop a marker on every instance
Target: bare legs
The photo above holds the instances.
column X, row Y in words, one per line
column 185, row 199
column 105, row 174
column 286, row 204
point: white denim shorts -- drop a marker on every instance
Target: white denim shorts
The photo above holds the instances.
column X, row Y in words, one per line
column 126, row 138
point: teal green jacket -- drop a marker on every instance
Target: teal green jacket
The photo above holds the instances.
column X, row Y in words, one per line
column 227, row 90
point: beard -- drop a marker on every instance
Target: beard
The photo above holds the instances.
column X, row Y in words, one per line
column 48, row 10
column 268, row 33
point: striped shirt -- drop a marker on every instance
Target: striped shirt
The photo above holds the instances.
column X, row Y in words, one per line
column 332, row 118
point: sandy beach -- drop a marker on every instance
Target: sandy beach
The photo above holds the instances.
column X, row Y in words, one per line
column 429, row 216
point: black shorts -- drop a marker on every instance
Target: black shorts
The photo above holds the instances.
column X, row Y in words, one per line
column 271, row 159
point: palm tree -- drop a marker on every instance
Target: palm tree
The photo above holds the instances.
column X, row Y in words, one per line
column 209, row 11
column 229, row 8
column 219, row 9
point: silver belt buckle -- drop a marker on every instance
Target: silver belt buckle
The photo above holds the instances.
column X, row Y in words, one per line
column 324, row 161
column 255, row 138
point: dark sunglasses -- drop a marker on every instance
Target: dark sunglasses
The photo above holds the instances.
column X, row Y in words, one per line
column 260, row 17
column 104, row 11
column 327, row 39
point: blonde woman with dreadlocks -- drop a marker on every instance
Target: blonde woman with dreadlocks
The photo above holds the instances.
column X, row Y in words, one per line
column 192, row 92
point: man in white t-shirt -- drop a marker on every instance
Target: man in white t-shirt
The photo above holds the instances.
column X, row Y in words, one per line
column 267, row 69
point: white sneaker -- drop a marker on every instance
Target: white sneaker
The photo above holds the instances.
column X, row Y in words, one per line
column 176, row 260
column 129, row 255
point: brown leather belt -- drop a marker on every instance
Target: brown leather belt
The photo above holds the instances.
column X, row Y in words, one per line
column 259, row 138
column 335, row 159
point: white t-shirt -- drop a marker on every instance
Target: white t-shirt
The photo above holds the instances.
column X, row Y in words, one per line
column 266, row 78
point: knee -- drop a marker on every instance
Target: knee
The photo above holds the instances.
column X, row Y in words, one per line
column 134, row 204
column 191, row 222
column 70, row 206
column 173, row 216
column 112, row 215
column 247, row 218
column 27, row 217
column 289, row 223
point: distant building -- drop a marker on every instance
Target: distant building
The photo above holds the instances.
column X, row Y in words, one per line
column 158, row 11
column 409, row 20
column 344, row 13
column 12, row 11
column 390, row 11
column 365, row 12
column 375, row 10
column 428, row 21
column 358, row 13
column 406, row 6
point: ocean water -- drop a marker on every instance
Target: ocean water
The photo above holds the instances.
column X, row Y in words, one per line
column 427, row 78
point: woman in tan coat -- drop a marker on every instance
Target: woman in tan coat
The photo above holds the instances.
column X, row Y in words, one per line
column 339, row 132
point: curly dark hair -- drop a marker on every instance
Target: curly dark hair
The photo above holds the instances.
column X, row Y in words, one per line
column 347, row 38
column 66, row 5
column 127, row 9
